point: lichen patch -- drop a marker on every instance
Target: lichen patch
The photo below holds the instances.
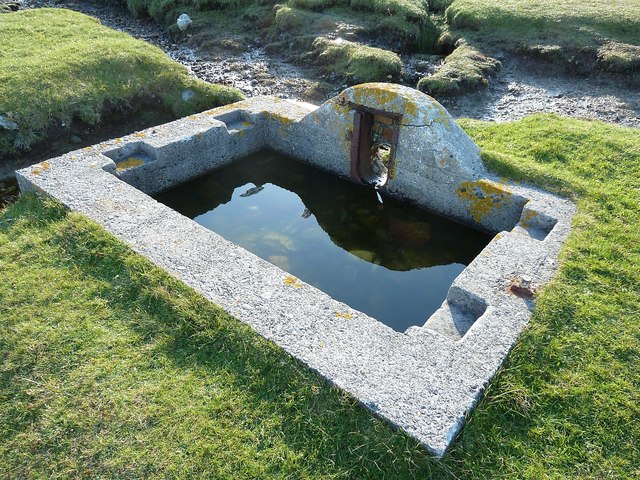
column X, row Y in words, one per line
column 130, row 162
column 483, row 196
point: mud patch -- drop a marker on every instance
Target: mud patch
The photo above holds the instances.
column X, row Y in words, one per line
column 524, row 87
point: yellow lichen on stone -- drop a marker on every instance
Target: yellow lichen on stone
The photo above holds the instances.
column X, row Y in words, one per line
column 415, row 107
column 219, row 110
column 527, row 216
column 140, row 134
column 130, row 162
column 441, row 116
column 293, row 281
column 483, row 197
column 40, row 167
column 282, row 118
column 344, row 315
column 342, row 109
column 380, row 95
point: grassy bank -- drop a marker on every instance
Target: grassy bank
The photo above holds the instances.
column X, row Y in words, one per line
column 291, row 26
column 466, row 69
column 584, row 33
column 111, row 368
column 59, row 66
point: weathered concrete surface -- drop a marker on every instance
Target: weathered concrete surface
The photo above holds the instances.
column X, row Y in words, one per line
column 425, row 380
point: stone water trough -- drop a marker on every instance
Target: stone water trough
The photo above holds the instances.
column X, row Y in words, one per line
column 424, row 380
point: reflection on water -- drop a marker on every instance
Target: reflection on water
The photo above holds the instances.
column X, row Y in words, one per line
column 390, row 260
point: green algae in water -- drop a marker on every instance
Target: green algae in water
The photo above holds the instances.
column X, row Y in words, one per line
column 391, row 260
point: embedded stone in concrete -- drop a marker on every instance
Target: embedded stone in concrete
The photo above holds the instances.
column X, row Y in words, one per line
column 424, row 380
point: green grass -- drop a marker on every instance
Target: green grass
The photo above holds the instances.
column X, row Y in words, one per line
column 414, row 10
column 317, row 5
column 57, row 65
column 566, row 403
column 110, row 368
column 466, row 69
column 558, row 29
column 289, row 19
column 355, row 62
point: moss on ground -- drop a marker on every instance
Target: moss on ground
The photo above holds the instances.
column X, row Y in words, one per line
column 619, row 57
column 57, row 65
column 354, row 62
column 317, row 5
column 466, row 69
column 288, row 19
column 110, row 368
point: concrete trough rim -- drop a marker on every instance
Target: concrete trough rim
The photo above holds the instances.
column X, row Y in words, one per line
column 421, row 381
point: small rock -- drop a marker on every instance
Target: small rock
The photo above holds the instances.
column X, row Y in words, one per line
column 183, row 22
column 8, row 124
column 75, row 139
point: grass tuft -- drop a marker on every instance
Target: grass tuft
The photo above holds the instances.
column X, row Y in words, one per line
column 355, row 62
column 619, row 58
column 464, row 70
column 439, row 5
column 290, row 19
column 412, row 10
column 317, row 5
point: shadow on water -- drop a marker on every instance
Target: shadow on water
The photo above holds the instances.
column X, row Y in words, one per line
column 389, row 259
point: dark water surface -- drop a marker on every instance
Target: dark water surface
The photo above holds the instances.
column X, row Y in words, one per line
column 391, row 260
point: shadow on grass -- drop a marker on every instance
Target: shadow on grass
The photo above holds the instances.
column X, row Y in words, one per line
column 334, row 434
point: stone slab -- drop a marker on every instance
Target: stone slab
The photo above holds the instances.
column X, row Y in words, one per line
column 423, row 381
